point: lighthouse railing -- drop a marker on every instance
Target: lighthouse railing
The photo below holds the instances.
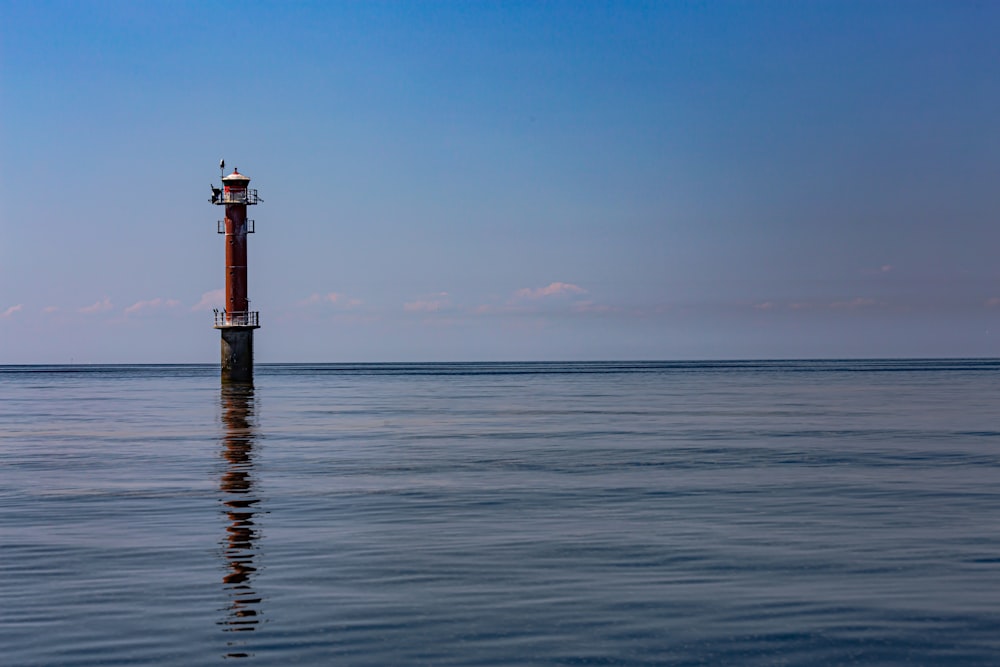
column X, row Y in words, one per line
column 248, row 197
column 243, row 318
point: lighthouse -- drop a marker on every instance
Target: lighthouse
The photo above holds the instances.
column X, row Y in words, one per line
column 236, row 321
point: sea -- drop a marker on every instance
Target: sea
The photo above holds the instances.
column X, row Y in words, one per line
column 616, row 513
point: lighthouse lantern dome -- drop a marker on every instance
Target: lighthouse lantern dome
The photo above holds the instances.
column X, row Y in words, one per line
column 235, row 181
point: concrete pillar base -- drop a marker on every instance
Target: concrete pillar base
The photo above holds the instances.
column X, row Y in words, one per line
column 237, row 355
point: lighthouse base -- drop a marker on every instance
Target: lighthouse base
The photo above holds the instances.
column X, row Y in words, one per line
column 237, row 355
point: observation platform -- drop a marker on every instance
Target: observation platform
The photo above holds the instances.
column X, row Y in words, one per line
column 246, row 319
column 248, row 197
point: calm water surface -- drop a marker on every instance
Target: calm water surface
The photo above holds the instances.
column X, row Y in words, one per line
column 801, row 513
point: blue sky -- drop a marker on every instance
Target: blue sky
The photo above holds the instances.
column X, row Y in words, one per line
column 503, row 180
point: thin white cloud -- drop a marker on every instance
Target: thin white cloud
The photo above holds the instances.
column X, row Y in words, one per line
column 541, row 300
column 766, row 305
column 552, row 289
column 311, row 299
column 151, row 304
column 431, row 304
column 993, row 302
column 140, row 305
column 98, row 307
column 423, row 306
column 856, row 303
column 336, row 298
column 214, row 299
column 13, row 309
column 50, row 309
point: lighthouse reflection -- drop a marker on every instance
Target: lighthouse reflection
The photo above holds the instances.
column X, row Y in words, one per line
column 240, row 506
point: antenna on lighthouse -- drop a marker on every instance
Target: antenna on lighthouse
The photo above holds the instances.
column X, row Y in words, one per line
column 222, row 167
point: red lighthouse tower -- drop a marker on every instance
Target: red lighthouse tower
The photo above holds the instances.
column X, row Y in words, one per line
column 236, row 321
